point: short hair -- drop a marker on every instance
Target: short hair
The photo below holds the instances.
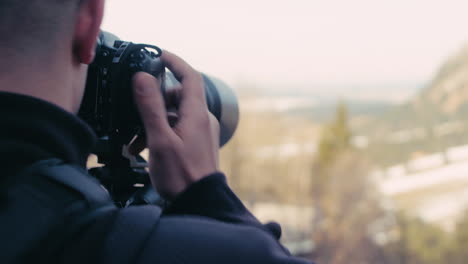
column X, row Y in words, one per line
column 34, row 23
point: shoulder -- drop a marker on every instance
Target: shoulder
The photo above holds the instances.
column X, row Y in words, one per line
column 142, row 235
column 179, row 239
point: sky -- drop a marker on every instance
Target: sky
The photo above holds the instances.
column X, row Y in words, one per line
column 300, row 42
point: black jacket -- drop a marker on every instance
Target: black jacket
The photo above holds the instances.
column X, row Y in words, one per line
column 205, row 224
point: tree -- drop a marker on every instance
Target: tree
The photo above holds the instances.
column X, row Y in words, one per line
column 458, row 253
column 418, row 242
column 336, row 138
column 345, row 203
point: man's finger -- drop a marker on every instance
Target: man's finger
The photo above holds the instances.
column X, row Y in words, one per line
column 173, row 95
column 181, row 69
column 215, row 130
column 193, row 92
column 150, row 103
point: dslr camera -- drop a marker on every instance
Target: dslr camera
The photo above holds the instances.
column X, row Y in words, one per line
column 109, row 109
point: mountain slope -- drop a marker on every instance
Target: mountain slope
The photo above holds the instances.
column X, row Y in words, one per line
column 433, row 120
column 449, row 89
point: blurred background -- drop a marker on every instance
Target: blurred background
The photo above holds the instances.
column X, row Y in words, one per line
column 354, row 116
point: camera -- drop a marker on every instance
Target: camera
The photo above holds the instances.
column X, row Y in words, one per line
column 109, row 109
column 108, row 105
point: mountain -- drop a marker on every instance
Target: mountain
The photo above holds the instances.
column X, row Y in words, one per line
column 434, row 119
column 449, row 89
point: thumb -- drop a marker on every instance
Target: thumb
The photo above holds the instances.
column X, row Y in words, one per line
column 150, row 103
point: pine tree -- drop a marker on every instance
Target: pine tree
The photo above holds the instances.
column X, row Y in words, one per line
column 345, row 205
column 335, row 138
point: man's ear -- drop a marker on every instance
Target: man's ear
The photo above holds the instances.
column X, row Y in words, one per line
column 87, row 29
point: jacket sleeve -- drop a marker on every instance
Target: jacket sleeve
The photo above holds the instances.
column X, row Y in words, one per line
column 206, row 224
column 186, row 240
column 233, row 229
column 211, row 197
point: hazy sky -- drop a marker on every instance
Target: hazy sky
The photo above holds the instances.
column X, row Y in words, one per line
column 299, row 41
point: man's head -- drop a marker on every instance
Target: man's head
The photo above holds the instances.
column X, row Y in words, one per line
column 45, row 46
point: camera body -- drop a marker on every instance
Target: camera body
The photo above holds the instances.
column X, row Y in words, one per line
column 107, row 104
column 108, row 107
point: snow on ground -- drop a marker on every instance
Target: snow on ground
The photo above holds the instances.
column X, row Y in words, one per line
column 443, row 207
column 410, row 182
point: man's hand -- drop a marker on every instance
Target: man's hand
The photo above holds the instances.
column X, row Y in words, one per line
column 188, row 151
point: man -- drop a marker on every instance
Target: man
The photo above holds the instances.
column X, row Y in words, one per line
column 48, row 217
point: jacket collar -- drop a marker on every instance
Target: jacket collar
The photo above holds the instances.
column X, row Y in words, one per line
column 41, row 130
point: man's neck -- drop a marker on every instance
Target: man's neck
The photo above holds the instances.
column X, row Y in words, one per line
column 43, row 82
